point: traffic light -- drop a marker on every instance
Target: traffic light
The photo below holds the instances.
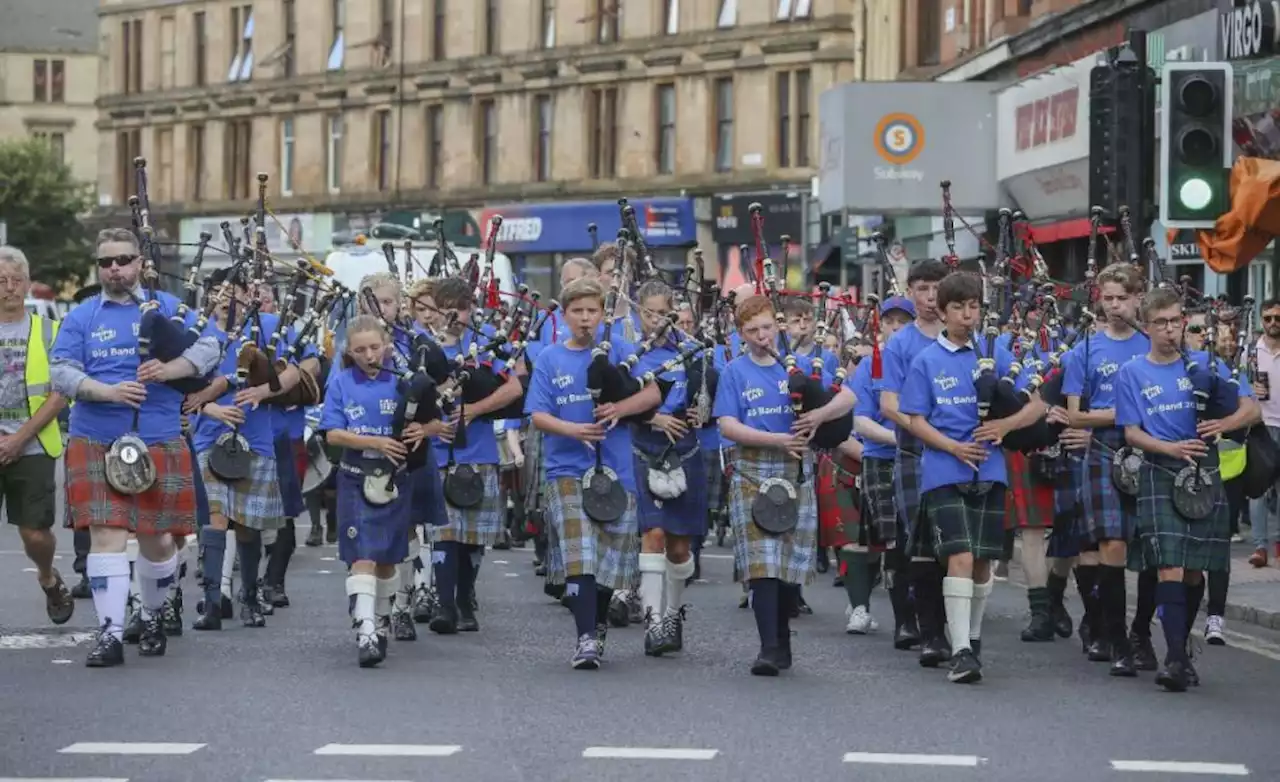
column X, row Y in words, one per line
column 1196, row 146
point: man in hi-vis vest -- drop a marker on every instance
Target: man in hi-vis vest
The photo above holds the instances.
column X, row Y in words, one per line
column 30, row 439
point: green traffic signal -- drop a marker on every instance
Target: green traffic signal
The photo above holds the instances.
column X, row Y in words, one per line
column 1196, row 100
column 1195, row 194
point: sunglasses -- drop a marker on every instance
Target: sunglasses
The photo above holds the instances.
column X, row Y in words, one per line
column 1270, row 318
column 118, row 260
column 1194, row 329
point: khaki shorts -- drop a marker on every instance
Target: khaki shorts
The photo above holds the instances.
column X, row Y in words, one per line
column 27, row 491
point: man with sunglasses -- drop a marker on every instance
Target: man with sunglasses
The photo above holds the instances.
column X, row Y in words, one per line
column 95, row 361
column 1263, row 515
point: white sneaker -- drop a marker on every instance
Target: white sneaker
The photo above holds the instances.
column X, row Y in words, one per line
column 860, row 622
column 1213, row 631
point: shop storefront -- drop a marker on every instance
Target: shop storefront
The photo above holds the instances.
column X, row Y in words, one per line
column 539, row 237
column 783, row 214
column 313, row 233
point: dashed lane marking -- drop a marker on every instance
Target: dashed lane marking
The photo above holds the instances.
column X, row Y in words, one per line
column 648, row 753
column 1175, row 767
column 893, row 759
column 511, row 575
column 323, row 572
column 64, row 779
column 501, row 562
column 130, row 748
column 330, row 780
column 392, row 750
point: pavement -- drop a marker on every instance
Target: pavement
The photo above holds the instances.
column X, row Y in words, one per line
column 287, row 702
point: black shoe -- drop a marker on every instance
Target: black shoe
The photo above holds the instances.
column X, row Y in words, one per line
column 1039, row 629
column 1123, row 665
column 1193, row 676
column 107, row 650
column 837, row 582
column 402, row 626
column 152, row 642
column 445, row 620
column 278, row 597
column 251, row 614
column 331, row 532
column 171, row 615
column 228, row 608
column 81, row 590
column 602, row 636
column 934, row 653
column 1060, row 620
column 766, row 663
column 424, row 604
column 619, row 612
column 315, row 538
column 1173, row 677
column 824, row 563
column 208, row 620
column 265, row 604
column 906, row 637
column 58, row 603
column 653, row 645
column 673, row 630
column 539, row 569
column 368, row 651
column 965, row 668
column 1144, row 654
column 467, row 622
column 553, row 591
column 1085, row 632
column 1099, row 651
column 133, row 627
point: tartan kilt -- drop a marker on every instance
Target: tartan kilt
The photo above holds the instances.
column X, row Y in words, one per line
column 1164, row 538
column 478, row 526
column 1030, row 499
column 427, row 508
column 839, row 502
column 553, row 557
column 291, row 465
column 253, row 503
column 368, row 533
column 790, row 557
column 1108, row 514
column 1068, row 518
column 879, row 517
column 685, row 515
column 168, row 506
column 533, row 474
column 967, row 523
column 715, row 478
column 910, row 505
column 610, row 552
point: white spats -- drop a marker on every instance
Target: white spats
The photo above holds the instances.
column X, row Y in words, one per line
column 895, row 759
column 1175, row 767
column 391, row 750
column 653, row 571
column 677, row 574
column 363, row 588
column 129, row 748
column 648, row 753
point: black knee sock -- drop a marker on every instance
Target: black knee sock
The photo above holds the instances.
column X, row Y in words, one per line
column 446, row 566
column 1087, row 586
column 213, row 548
column 1219, row 580
column 1146, row 608
column 1057, row 589
column 766, row 596
column 857, row 577
column 604, row 596
column 1111, row 589
column 927, row 585
column 1195, row 596
column 1172, row 598
column 897, row 579
column 468, row 570
column 281, row 553
column 788, row 599
column 584, row 600
column 80, row 541
column 249, row 545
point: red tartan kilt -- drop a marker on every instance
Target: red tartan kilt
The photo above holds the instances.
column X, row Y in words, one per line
column 300, row 458
column 838, row 515
column 1029, row 501
column 168, row 506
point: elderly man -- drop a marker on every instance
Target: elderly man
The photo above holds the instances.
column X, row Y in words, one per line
column 96, row 362
column 30, row 440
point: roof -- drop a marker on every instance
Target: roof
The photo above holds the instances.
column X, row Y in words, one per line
column 49, row 26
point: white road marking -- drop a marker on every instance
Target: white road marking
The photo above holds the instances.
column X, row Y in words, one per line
column 328, row 559
column 43, row 641
column 648, row 753
column 715, row 556
column 64, row 779
column 1257, row 646
column 130, row 748
column 893, row 759
column 511, row 575
column 1174, row 767
column 392, row 750
column 501, row 562
column 61, row 661
column 324, row 572
column 327, row 780
column 29, row 570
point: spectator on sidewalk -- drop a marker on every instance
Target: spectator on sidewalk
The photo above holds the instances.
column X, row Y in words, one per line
column 1263, row 512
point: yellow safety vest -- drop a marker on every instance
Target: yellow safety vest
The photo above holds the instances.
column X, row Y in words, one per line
column 43, row 332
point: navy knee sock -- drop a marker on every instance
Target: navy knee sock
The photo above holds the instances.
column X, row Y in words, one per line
column 468, row 569
column 1195, row 596
column 604, row 596
column 1172, row 598
column 213, row 548
column 249, row 545
column 446, row 566
column 766, row 596
column 585, row 600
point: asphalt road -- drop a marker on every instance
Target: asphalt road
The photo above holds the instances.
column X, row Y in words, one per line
column 287, row 702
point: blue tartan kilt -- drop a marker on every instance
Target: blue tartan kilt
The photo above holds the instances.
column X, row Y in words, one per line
column 427, row 507
column 287, row 472
column 913, row 540
column 378, row 535
column 789, row 557
column 1068, row 520
column 685, row 515
column 1108, row 514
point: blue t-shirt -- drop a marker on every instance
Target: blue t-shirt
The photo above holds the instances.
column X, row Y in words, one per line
column 482, row 443
column 362, row 405
column 1159, row 397
column 1105, row 356
column 258, row 427
column 101, row 337
column 940, row 387
column 896, row 357
column 292, row 421
column 558, row 388
column 867, row 392
column 755, row 395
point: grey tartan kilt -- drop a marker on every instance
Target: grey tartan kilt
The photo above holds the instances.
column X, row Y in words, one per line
column 478, row 526
column 253, row 503
column 533, row 474
column 756, row 554
column 1165, row 539
column 1108, row 514
column 715, row 476
column 610, row 552
column 962, row 523
column 879, row 507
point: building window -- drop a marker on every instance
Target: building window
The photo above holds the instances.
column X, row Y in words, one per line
column 286, row 156
column 608, row 16
column 547, row 24
column 195, row 161
column 671, row 16
column 237, row 157
column 782, row 96
column 792, row 98
column 242, row 47
column 382, row 149
column 128, row 147
column 435, row 145
column 338, row 48
column 602, row 141
column 544, row 111
column 724, row 124
column 802, row 117
column 132, row 56
column 40, row 81
column 333, row 154
column 201, row 47
column 789, row 10
column 57, row 81
column 665, row 156
column 164, row 166
column 488, row 141
column 728, row 14
column 386, row 30
column 287, row 59
column 490, row 27
column 439, row 26
column 929, row 32
column 57, row 143
column 168, row 65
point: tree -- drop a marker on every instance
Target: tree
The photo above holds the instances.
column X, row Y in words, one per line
column 41, row 203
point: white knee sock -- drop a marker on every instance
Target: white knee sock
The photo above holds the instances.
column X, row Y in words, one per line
column 653, row 570
column 154, row 579
column 978, row 608
column 957, row 597
column 229, row 568
column 180, row 559
column 364, row 588
column 407, row 577
column 109, row 581
column 1034, row 565
column 384, row 600
column 677, row 574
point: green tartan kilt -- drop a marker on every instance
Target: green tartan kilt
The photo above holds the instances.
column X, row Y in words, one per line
column 966, row 523
column 1164, row 538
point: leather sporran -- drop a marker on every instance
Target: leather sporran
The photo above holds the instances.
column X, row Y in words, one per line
column 603, row 498
column 130, row 468
column 463, row 486
column 230, row 459
column 1126, row 463
column 665, row 476
column 379, row 487
column 776, row 508
column 1194, row 493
